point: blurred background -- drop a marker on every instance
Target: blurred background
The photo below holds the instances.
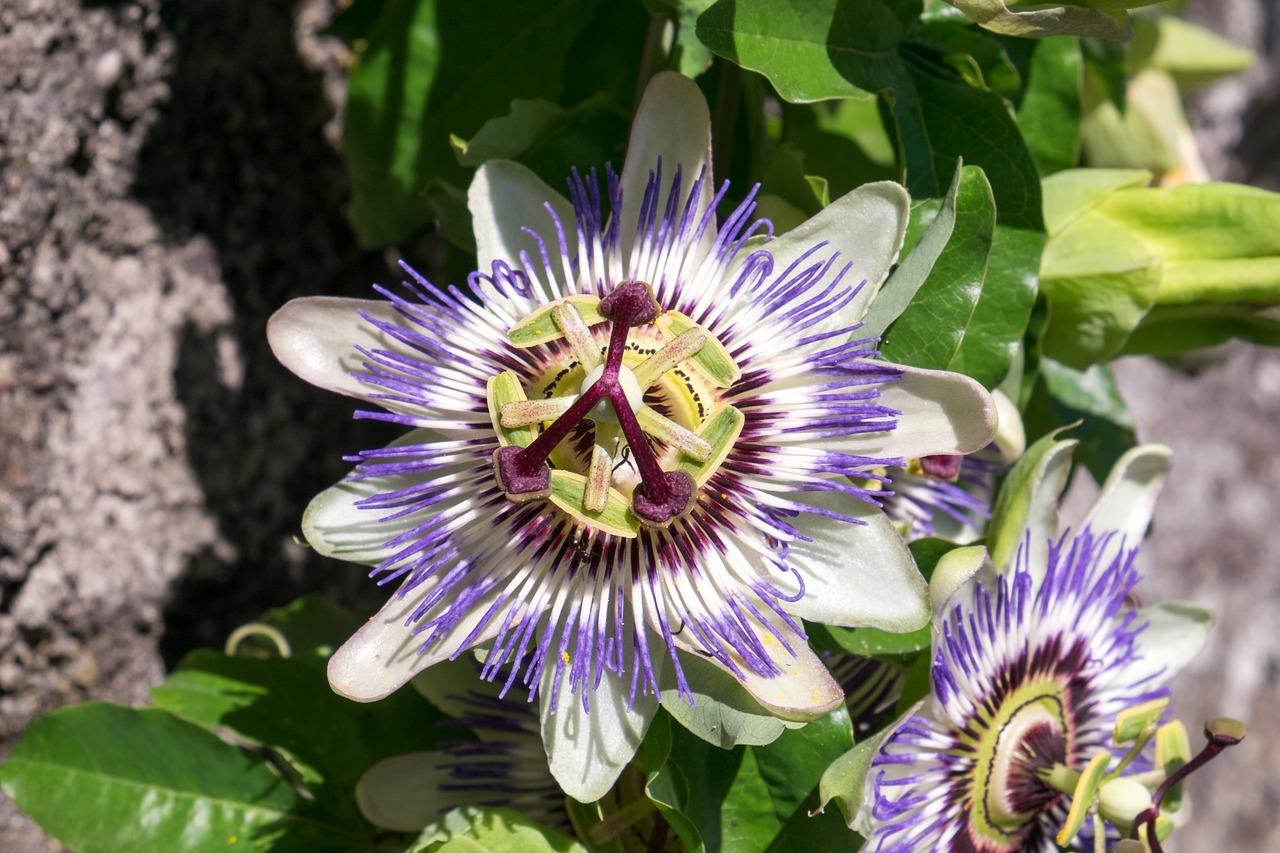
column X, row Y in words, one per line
column 169, row 176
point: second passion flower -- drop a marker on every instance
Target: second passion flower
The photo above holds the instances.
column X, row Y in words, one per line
column 637, row 435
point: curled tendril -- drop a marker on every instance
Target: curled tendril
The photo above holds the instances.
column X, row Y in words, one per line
column 257, row 629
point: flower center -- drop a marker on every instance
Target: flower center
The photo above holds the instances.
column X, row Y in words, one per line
column 652, row 394
column 1030, row 744
column 1026, row 736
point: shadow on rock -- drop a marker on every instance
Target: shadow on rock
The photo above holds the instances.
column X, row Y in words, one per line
column 239, row 157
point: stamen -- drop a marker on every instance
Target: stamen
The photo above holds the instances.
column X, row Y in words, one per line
column 686, row 345
column 599, row 475
column 667, row 430
column 577, row 334
column 526, row 412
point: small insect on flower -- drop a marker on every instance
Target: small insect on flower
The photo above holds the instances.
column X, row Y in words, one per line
column 633, row 439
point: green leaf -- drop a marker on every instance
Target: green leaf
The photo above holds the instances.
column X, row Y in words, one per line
column 795, row 45
column 689, row 55
column 1071, row 194
column 872, row 642
column 1099, row 282
column 1054, row 21
column 970, row 314
column 1049, row 115
column 1092, row 398
column 1134, row 248
column 845, row 141
column 1192, row 54
column 1104, row 60
column 976, row 57
column 845, row 780
column 484, row 830
column 1151, row 133
column 314, row 626
column 548, row 139
column 755, row 798
column 286, row 705
column 905, row 281
column 784, row 176
column 452, row 216
column 849, row 48
column 1169, row 330
column 404, row 99
column 959, row 121
column 1218, row 242
column 106, row 778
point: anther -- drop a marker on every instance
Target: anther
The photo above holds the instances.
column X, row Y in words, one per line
column 943, row 466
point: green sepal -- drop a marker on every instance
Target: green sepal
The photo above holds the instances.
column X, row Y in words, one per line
column 845, row 780
column 905, row 281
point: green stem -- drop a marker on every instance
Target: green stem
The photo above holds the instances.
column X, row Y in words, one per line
column 1061, row 778
column 1138, row 745
column 612, row 826
column 724, row 119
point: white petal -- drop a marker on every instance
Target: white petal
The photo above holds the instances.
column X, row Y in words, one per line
column 723, row 713
column 854, row 574
column 337, row 528
column 1128, row 497
column 385, row 653
column 399, row 793
column 942, row 412
column 803, row 689
column 316, row 338
column 586, row 750
column 506, row 198
column 866, row 226
column 672, row 122
column 1176, row 632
